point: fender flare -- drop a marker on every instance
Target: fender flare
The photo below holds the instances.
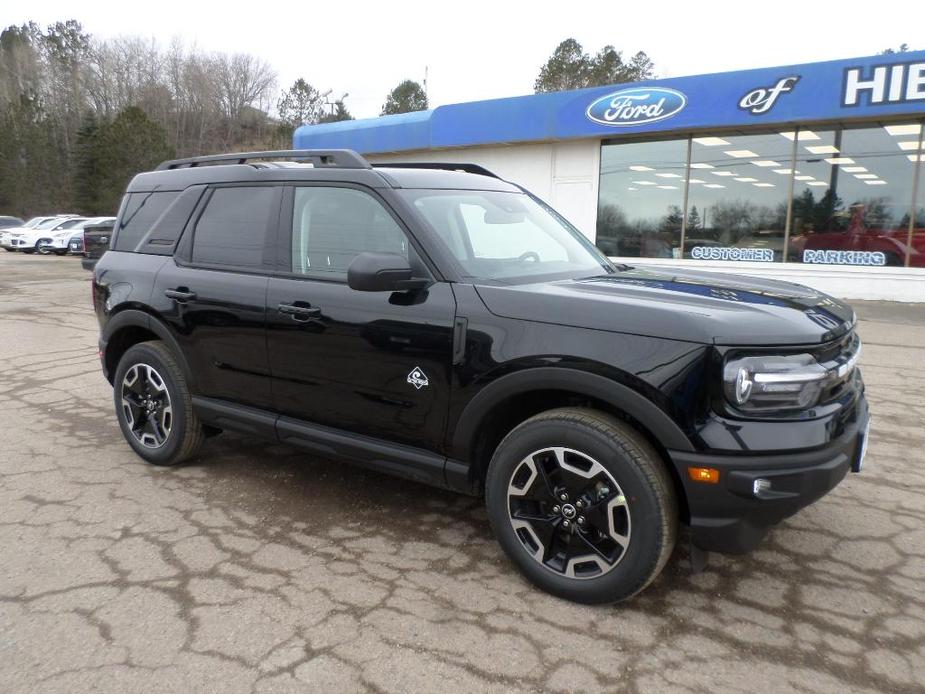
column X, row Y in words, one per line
column 637, row 406
column 134, row 318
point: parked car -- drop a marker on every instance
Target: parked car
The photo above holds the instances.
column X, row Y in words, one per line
column 38, row 240
column 95, row 242
column 29, row 238
column 31, row 224
column 59, row 242
column 448, row 326
column 10, row 222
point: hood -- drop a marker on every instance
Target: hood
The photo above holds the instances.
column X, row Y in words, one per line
column 690, row 305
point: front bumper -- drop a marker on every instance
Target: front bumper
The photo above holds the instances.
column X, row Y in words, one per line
column 733, row 517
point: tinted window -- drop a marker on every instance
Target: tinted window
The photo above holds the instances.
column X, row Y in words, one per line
column 331, row 226
column 141, row 211
column 233, row 228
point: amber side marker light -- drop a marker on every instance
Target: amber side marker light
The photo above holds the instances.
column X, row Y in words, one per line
column 708, row 475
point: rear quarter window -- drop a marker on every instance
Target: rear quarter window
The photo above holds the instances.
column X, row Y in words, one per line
column 140, row 212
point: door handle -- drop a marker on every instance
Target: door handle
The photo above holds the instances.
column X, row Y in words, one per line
column 301, row 313
column 181, row 295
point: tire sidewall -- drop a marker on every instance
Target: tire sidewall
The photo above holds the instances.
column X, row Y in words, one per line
column 635, row 568
column 144, row 354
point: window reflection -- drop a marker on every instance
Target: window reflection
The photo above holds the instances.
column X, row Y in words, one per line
column 738, row 197
column 853, row 195
column 640, row 209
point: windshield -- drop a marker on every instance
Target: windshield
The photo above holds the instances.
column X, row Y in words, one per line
column 509, row 237
column 69, row 224
column 48, row 223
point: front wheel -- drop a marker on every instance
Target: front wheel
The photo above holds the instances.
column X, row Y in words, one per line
column 154, row 406
column 40, row 249
column 583, row 505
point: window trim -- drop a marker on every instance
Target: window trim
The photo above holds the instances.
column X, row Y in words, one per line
column 284, row 246
column 184, row 252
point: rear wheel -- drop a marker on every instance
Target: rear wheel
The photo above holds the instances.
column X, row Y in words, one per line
column 154, row 407
column 583, row 504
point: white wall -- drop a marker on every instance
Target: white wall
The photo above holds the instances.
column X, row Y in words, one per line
column 841, row 281
column 564, row 174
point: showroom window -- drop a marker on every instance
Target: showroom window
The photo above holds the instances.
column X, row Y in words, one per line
column 853, row 194
column 726, row 197
column 641, row 205
column 738, row 197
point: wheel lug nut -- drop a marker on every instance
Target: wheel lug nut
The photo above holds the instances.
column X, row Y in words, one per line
column 566, row 524
column 579, row 504
column 581, row 520
column 563, row 497
column 556, row 509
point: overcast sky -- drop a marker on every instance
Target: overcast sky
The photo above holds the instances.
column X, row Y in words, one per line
column 478, row 50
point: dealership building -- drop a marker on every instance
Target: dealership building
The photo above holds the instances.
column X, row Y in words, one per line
column 813, row 173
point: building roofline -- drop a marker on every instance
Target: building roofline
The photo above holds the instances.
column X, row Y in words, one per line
column 710, row 100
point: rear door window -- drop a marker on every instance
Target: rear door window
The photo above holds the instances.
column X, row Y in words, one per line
column 232, row 230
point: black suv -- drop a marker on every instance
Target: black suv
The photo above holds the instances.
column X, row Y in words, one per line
column 436, row 322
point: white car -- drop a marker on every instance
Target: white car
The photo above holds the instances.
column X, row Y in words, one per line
column 31, row 224
column 58, row 242
column 30, row 240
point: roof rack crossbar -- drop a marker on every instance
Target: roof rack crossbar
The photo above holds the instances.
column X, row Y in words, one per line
column 447, row 166
column 327, row 158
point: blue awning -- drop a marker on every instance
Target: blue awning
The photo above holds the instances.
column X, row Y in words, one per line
column 885, row 86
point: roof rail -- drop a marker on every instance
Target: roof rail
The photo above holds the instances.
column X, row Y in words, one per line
column 447, row 166
column 334, row 158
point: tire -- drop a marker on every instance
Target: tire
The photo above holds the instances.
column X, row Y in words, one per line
column 614, row 474
column 41, row 250
column 9, row 250
column 167, row 432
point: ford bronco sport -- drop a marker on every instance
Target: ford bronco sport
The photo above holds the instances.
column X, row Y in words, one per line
column 436, row 322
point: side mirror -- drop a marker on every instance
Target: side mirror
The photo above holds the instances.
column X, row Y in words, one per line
column 382, row 272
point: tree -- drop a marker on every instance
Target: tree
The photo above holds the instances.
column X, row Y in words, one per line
column 130, row 144
column 87, row 172
column 570, row 67
column 693, row 220
column 672, row 220
column 903, row 48
column 301, row 104
column 406, row 97
column 339, row 113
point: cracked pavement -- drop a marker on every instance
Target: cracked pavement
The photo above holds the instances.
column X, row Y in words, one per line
column 256, row 568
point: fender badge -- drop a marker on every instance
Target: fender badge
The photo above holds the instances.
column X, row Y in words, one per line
column 417, row 378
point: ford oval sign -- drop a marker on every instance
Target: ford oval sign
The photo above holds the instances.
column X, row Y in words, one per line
column 636, row 106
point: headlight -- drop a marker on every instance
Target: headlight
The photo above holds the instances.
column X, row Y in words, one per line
column 774, row 382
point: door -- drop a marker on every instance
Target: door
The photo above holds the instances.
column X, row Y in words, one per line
column 372, row 363
column 213, row 294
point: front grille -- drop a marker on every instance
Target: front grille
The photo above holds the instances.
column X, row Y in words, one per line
column 841, row 357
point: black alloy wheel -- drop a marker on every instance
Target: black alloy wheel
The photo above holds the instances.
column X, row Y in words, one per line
column 569, row 512
column 154, row 406
column 146, row 405
column 583, row 504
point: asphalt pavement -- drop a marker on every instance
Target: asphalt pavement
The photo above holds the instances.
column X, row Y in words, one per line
column 257, row 568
